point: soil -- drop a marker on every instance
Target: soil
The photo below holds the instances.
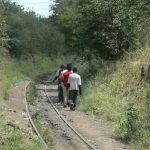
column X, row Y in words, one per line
column 14, row 109
column 93, row 130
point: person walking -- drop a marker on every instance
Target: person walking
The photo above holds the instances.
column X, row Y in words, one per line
column 74, row 85
column 60, row 88
column 64, row 78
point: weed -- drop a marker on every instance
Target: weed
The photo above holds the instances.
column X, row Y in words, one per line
column 31, row 94
column 119, row 97
column 14, row 139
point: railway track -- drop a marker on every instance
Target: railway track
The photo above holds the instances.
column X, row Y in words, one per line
column 65, row 135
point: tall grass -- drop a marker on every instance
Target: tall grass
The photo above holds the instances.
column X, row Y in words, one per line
column 12, row 138
column 9, row 75
column 122, row 99
column 11, row 72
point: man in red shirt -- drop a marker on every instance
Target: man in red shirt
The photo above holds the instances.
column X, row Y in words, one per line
column 64, row 79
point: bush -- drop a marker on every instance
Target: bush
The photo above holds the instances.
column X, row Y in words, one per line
column 121, row 98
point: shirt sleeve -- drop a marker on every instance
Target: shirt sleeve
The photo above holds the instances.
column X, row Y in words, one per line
column 57, row 73
column 79, row 81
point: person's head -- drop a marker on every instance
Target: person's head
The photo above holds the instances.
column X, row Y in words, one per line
column 69, row 67
column 65, row 67
column 74, row 69
column 62, row 66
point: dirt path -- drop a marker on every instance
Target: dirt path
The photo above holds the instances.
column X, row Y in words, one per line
column 64, row 139
column 15, row 122
column 14, row 109
column 94, row 131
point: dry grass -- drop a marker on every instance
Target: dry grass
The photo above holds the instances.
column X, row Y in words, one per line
column 123, row 100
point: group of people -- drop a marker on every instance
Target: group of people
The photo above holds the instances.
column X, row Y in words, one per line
column 69, row 85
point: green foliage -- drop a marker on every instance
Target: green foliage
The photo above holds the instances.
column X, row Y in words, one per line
column 39, row 65
column 9, row 75
column 101, row 27
column 92, row 29
column 13, row 70
column 3, row 26
column 31, row 95
column 129, row 127
column 120, row 98
column 29, row 34
column 14, row 138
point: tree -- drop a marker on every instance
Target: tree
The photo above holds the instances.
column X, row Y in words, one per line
column 3, row 26
column 31, row 34
column 102, row 27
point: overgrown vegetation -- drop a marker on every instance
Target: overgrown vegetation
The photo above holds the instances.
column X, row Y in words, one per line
column 12, row 137
column 104, row 39
column 122, row 99
column 32, row 93
column 101, row 27
column 13, row 70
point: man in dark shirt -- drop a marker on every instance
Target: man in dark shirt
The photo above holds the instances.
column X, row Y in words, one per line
column 60, row 88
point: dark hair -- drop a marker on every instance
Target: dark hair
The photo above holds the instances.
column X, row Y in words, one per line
column 62, row 66
column 69, row 67
column 74, row 69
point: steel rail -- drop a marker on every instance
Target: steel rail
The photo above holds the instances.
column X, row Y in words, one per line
column 31, row 121
column 68, row 124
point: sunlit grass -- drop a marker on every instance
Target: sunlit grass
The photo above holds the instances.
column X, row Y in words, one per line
column 13, row 139
column 9, row 75
column 120, row 98
column 13, row 71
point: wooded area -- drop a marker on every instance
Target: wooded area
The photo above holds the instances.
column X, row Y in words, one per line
column 86, row 27
column 107, row 39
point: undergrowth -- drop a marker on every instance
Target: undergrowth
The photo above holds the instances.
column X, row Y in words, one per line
column 122, row 99
column 116, row 94
column 13, row 138
column 31, row 93
column 13, row 71
column 9, row 75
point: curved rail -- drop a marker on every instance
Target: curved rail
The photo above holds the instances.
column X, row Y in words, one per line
column 31, row 121
column 60, row 115
column 68, row 124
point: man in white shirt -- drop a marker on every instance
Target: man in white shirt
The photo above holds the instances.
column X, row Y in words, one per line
column 74, row 85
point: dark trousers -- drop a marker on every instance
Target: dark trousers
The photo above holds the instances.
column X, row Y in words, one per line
column 73, row 96
column 60, row 94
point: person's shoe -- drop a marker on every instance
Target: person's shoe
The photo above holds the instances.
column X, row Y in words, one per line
column 68, row 104
column 72, row 106
column 65, row 105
